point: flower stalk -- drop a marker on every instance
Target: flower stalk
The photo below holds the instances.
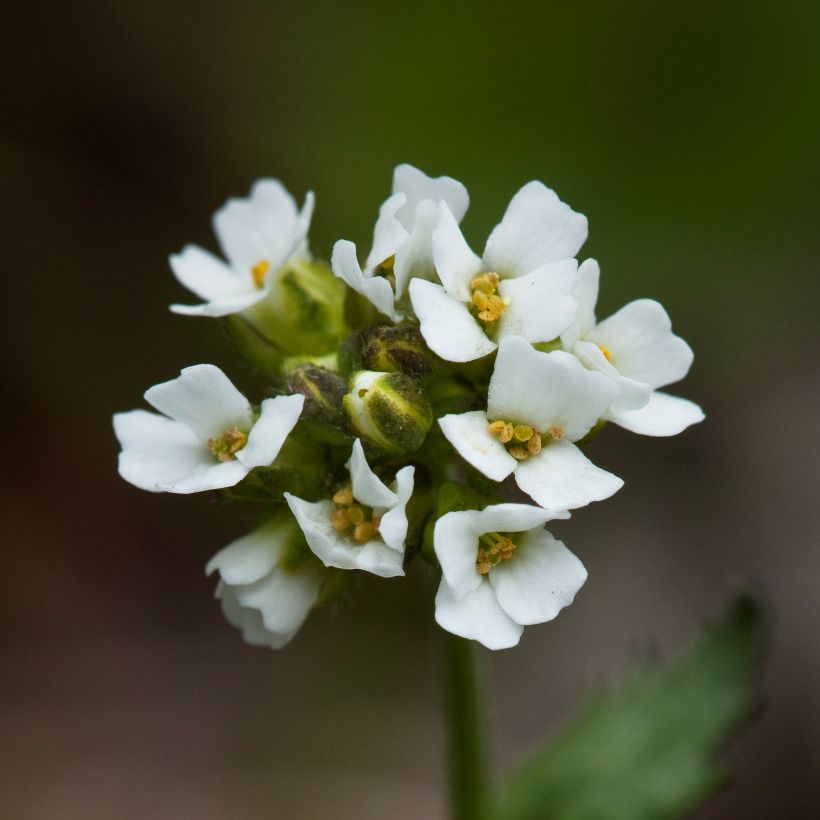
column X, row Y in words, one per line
column 469, row 787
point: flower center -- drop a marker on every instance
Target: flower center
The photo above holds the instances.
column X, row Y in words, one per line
column 493, row 548
column 485, row 303
column 226, row 446
column 385, row 269
column 605, row 351
column 522, row 440
column 258, row 272
column 354, row 520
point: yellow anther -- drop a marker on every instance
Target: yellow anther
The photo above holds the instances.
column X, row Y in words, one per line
column 605, row 351
column 226, row 446
column 556, row 432
column 502, row 430
column 339, row 520
column 259, row 270
column 519, row 453
column 534, row 444
column 522, row 432
column 365, row 531
column 486, row 282
column 497, row 548
column 485, row 298
column 343, row 496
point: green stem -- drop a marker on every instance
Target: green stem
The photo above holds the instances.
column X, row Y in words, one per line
column 468, row 776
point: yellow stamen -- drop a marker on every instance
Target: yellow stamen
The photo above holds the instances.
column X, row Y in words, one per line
column 485, row 298
column 258, row 271
column 519, row 453
column 556, row 433
column 339, row 520
column 534, row 444
column 605, row 351
column 366, row 531
column 226, row 446
column 497, row 548
column 343, row 496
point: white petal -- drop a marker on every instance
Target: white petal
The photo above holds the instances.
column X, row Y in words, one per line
column 203, row 398
column 664, row 415
column 468, row 433
column 514, row 518
column 414, row 258
column 540, row 306
column 265, row 226
column 639, row 337
column 546, row 389
column 334, row 550
column 417, row 187
column 456, row 264
column 585, row 294
column 389, row 233
column 252, row 557
column 222, row 307
column 455, row 541
column 284, row 599
column 393, row 524
column 447, row 325
column 539, row 580
column 249, row 620
column 156, row 451
column 537, row 228
column 277, row 418
column 208, row 277
column 561, row 477
column 368, row 489
column 374, row 288
column 631, row 395
column 477, row 616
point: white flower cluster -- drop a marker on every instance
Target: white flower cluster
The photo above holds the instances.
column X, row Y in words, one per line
column 502, row 351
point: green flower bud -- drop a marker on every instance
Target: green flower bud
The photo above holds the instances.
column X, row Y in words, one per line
column 302, row 314
column 398, row 348
column 323, row 391
column 389, row 410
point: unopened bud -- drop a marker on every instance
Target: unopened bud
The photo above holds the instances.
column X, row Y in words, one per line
column 389, row 410
column 398, row 349
column 323, row 391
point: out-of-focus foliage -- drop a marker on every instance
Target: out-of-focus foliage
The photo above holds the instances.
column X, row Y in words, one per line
column 646, row 753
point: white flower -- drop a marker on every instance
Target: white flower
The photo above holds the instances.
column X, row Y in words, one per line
column 538, row 404
column 501, row 571
column 520, row 287
column 637, row 350
column 365, row 524
column 208, row 437
column 269, row 581
column 258, row 235
column 401, row 239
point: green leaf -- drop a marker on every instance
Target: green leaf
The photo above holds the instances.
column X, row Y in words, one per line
column 647, row 752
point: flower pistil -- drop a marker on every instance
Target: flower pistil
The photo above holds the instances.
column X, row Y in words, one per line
column 226, row 446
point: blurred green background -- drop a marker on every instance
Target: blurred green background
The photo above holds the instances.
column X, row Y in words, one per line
column 688, row 133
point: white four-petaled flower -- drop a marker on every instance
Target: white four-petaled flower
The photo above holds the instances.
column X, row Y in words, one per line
column 258, row 235
column 209, row 437
column 501, row 571
column 268, row 582
column 548, row 399
column 636, row 349
column 402, row 238
column 373, row 538
column 520, row 287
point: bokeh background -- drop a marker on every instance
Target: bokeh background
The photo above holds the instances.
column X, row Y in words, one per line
column 688, row 133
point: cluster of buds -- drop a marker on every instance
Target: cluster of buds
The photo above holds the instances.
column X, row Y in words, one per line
column 427, row 404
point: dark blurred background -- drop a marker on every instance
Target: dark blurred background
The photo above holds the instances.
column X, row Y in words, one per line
column 688, row 133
